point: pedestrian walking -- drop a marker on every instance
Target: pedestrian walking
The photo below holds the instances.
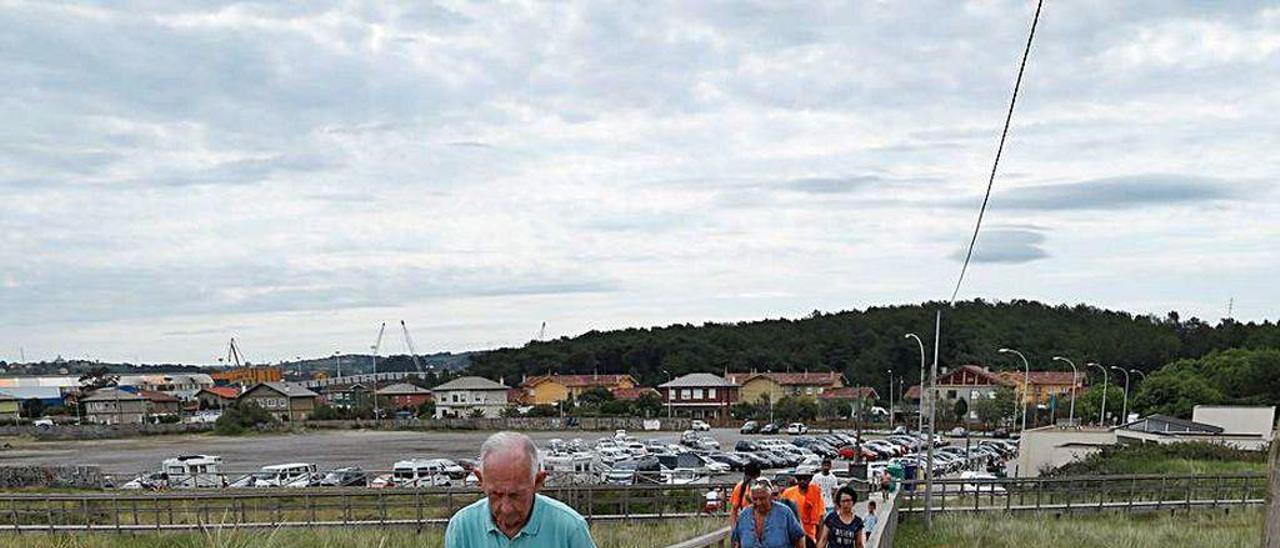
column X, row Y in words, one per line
column 842, row 528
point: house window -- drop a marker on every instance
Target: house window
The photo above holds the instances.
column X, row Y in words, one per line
column 697, row 393
column 686, row 394
column 711, row 393
column 951, row 394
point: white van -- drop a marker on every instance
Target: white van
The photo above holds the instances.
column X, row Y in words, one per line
column 296, row 474
column 194, row 472
column 415, row 473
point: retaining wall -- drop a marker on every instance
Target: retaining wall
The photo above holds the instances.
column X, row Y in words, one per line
column 83, row 477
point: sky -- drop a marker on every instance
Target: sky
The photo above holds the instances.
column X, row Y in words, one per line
column 293, row 174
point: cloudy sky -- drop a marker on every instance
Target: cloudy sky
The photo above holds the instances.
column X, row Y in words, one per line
column 176, row 173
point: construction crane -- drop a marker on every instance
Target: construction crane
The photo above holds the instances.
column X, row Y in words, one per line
column 413, row 352
column 234, row 355
column 542, row 332
column 376, row 345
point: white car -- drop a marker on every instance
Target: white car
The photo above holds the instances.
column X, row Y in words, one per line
column 700, row 425
column 979, row 486
column 796, row 429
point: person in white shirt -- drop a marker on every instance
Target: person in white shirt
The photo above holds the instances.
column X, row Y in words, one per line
column 827, row 481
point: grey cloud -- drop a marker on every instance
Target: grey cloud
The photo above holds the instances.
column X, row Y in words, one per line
column 1125, row 192
column 118, row 293
column 247, row 171
column 833, row 185
column 1007, row 246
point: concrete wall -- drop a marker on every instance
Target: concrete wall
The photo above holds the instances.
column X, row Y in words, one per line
column 1052, row 446
column 1235, row 419
column 102, row 431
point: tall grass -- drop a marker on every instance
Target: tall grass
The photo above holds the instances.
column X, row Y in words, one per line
column 1152, row 530
column 607, row 535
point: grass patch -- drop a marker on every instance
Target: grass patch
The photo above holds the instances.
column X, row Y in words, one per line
column 1176, row 458
column 611, row 534
column 1240, row 527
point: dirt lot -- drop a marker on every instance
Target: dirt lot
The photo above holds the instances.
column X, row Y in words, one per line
column 371, row 450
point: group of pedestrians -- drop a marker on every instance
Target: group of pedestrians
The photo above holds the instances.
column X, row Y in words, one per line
column 816, row 512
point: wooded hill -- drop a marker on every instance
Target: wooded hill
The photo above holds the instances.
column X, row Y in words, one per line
column 865, row 344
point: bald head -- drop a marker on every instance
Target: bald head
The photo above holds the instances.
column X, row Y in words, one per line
column 510, row 476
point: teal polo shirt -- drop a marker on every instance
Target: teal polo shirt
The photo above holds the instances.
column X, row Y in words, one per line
column 552, row 524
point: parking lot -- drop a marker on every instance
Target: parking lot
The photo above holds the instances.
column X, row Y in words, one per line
column 369, row 449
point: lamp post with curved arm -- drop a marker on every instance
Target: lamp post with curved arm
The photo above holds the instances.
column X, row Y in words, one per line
column 920, row 423
column 1071, row 418
column 1124, row 410
column 1026, row 384
column 1102, row 413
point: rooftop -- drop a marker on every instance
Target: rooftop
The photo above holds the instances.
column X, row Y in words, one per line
column 700, row 380
column 470, row 383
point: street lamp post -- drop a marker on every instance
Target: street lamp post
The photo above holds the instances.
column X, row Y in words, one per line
column 1140, row 374
column 890, row 371
column 920, row 422
column 1102, row 413
column 1125, row 408
column 1026, row 384
column 668, row 373
column 1074, row 382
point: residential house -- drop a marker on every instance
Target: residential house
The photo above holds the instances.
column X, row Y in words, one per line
column 404, row 395
column 1045, row 387
column 217, row 397
column 347, row 395
column 968, row 383
column 848, row 395
column 183, row 386
column 465, row 396
column 285, row 401
column 553, row 389
column 770, row 386
column 115, row 406
column 699, row 395
column 160, row 403
column 632, row 394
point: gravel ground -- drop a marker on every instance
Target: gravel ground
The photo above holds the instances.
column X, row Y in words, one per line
column 371, row 450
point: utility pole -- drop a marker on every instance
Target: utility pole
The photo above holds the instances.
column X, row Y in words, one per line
column 890, row 400
column 930, row 397
column 376, row 345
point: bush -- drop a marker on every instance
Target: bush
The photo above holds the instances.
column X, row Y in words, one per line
column 1131, row 459
column 241, row 416
column 168, row 419
column 325, row 413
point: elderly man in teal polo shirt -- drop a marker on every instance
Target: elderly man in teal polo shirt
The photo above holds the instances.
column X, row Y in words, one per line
column 513, row 514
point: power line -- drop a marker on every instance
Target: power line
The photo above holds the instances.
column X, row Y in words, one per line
column 999, row 149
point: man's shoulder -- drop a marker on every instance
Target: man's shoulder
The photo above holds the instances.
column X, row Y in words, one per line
column 475, row 510
column 558, row 510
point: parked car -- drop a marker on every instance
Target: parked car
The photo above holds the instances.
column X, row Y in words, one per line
column 749, row 427
column 350, row 476
column 796, row 429
column 1000, row 433
column 700, row 425
column 770, row 428
column 958, row 432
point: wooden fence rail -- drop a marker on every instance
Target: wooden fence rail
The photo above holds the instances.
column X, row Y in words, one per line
column 270, row 508
column 1121, row 492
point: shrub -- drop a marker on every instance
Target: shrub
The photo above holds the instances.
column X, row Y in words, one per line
column 241, row 416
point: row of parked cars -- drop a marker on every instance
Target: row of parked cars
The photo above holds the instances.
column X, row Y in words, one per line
column 205, row 472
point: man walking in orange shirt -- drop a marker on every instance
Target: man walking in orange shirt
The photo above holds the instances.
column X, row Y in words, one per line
column 808, row 500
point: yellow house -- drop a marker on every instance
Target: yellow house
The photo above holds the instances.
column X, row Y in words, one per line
column 774, row 386
column 1043, row 385
column 553, row 389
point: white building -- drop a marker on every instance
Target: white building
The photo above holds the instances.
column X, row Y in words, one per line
column 462, row 396
column 1257, row 420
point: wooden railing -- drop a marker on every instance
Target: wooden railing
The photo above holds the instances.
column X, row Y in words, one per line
column 1121, row 492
